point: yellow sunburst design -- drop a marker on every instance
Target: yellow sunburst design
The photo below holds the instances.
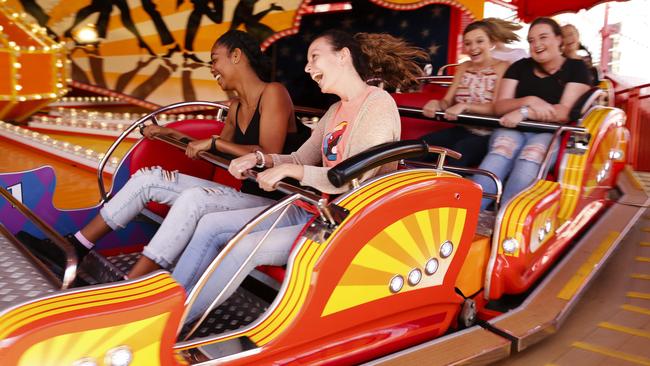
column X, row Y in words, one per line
column 400, row 247
column 68, row 348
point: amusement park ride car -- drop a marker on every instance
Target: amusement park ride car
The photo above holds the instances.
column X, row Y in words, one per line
column 402, row 268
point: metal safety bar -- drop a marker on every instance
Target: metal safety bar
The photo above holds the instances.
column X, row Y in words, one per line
column 282, row 206
column 495, row 196
column 491, row 122
column 137, row 124
column 283, row 187
column 70, row 271
column 441, row 71
column 546, row 163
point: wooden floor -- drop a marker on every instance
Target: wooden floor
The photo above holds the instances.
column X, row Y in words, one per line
column 611, row 323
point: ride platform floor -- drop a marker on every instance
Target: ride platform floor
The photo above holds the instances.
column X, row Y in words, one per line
column 610, row 325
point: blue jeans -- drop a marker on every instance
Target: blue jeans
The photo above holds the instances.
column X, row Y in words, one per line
column 516, row 156
column 211, row 235
column 190, row 198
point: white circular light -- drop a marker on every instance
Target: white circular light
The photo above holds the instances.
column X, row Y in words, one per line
column 446, row 249
column 541, row 234
column 415, row 276
column 510, row 245
column 431, row 267
column 396, row 283
column 615, row 154
column 548, row 225
column 120, row 356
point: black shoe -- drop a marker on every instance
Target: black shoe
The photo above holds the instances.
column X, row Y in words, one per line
column 47, row 249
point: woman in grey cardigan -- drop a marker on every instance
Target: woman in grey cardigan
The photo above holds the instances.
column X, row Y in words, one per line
column 364, row 117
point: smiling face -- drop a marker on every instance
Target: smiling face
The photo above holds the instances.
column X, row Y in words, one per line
column 222, row 65
column 544, row 44
column 324, row 64
column 477, row 44
column 570, row 38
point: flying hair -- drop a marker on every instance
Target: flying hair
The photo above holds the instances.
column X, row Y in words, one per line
column 380, row 56
column 503, row 30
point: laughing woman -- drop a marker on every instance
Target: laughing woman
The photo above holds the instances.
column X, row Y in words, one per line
column 262, row 117
column 364, row 117
column 543, row 87
column 473, row 91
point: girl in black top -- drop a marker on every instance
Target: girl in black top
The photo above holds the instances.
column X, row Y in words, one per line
column 260, row 119
column 543, row 87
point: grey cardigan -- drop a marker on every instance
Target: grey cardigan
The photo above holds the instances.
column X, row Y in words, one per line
column 377, row 122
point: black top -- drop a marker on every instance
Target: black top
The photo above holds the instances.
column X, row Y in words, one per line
column 551, row 87
column 252, row 137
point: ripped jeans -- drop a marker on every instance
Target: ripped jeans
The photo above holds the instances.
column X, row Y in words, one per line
column 516, row 156
column 190, row 198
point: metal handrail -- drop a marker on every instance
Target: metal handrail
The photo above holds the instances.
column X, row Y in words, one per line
column 495, row 196
column 467, row 119
column 222, row 162
column 443, row 68
column 642, row 86
column 282, row 207
column 70, row 271
column 546, row 164
column 151, row 116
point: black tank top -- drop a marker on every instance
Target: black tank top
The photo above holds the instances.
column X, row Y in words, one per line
column 252, row 137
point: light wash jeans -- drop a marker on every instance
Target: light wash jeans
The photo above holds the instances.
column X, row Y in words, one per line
column 516, row 156
column 274, row 251
column 191, row 198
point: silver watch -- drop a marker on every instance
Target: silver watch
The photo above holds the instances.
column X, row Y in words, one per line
column 524, row 112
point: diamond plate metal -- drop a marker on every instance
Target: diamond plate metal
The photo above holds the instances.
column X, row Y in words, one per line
column 19, row 280
column 241, row 309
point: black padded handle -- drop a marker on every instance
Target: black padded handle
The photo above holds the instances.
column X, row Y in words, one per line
column 378, row 155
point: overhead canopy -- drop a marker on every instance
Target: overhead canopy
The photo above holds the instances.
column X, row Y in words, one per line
column 528, row 10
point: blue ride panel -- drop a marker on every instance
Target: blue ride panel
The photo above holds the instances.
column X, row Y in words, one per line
column 35, row 189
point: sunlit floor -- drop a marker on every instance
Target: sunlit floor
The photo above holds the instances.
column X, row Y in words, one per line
column 611, row 323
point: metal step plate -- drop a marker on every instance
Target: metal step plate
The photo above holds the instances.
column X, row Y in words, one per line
column 20, row 280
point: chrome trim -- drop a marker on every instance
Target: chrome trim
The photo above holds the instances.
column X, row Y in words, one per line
column 546, row 163
column 242, row 331
column 71, row 262
column 281, row 206
column 444, row 67
column 331, row 213
column 137, row 124
column 496, row 197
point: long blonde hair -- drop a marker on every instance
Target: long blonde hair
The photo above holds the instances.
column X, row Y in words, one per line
column 503, row 30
